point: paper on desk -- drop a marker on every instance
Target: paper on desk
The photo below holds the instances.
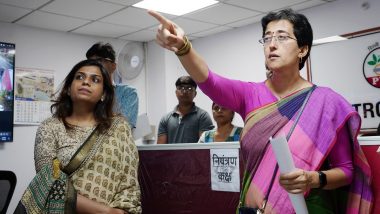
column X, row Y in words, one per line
column 286, row 164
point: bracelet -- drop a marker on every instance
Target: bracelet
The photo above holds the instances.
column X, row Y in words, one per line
column 185, row 48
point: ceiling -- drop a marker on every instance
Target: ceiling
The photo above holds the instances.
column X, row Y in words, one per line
column 118, row 19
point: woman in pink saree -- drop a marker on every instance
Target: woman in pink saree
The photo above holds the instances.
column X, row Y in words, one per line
column 331, row 169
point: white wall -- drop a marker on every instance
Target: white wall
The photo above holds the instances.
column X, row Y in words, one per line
column 340, row 65
column 237, row 53
column 37, row 48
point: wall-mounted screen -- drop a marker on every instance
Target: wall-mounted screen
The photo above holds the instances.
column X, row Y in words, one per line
column 7, row 68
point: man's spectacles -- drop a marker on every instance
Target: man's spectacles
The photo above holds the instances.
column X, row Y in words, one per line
column 280, row 39
column 184, row 89
column 103, row 60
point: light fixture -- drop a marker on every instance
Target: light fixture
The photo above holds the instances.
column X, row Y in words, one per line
column 174, row 7
column 328, row 40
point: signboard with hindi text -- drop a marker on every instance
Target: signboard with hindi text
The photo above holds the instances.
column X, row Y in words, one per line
column 225, row 170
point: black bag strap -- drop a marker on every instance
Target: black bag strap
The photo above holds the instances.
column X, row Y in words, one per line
column 287, row 138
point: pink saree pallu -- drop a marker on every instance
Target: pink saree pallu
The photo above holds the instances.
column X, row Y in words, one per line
column 315, row 134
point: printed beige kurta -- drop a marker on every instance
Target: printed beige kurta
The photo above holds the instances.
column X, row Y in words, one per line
column 108, row 175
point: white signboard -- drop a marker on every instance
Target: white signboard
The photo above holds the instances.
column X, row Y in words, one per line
column 225, row 172
column 352, row 68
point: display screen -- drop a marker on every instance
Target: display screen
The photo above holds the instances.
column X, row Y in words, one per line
column 7, row 68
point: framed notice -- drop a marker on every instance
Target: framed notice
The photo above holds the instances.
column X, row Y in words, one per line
column 34, row 89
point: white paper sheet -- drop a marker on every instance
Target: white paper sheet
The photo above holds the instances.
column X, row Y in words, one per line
column 142, row 127
column 225, row 172
column 286, row 164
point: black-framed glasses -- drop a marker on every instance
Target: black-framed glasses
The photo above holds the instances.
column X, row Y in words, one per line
column 279, row 38
column 184, row 89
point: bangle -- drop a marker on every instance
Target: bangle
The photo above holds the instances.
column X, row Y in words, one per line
column 185, row 48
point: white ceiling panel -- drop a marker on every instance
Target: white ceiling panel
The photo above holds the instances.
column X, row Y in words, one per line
column 141, row 36
column 212, row 31
column 118, row 19
column 191, row 38
column 129, row 16
column 104, row 30
column 31, row 4
column 264, row 6
column 221, row 14
column 123, row 2
column 307, row 4
column 51, row 21
column 247, row 21
column 191, row 26
column 85, row 9
column 10, row 13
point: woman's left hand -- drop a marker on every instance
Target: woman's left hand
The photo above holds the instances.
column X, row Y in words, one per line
column 297, row 181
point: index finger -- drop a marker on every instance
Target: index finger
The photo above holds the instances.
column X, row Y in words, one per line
column 159, row 18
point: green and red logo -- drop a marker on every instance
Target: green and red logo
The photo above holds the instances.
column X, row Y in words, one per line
column 371, row 68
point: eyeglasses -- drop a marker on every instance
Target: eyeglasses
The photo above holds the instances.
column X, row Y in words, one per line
column 280, row 39
column 103, row 60
column 184, row 89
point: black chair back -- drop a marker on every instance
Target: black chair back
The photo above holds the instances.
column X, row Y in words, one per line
column 8, row 182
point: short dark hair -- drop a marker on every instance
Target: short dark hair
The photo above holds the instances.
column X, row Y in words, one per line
column 301, row 27
column 63, row 105
column 100, row 49
column 186, row 80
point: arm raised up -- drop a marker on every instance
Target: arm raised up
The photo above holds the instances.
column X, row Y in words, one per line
column 172, row 37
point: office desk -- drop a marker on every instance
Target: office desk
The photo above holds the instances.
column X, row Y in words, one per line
column 370, row 145
column 175, row 178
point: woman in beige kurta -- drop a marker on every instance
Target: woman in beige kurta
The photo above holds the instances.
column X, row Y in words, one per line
column 105, row 178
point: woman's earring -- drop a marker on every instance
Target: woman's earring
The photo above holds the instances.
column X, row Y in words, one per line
column 300, row 60
column 102, row 98
column 68, row 93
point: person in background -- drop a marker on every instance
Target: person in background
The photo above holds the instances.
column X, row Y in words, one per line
column 225, row 131
column 323, row 141
column 127, row 101
column 88, row 144
column 187, row 121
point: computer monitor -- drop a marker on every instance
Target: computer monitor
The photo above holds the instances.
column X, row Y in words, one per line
column 7, row 68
